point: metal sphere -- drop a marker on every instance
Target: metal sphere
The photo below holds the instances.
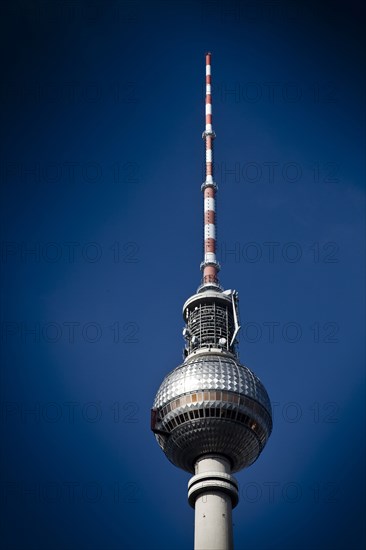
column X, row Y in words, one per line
column 212, row 404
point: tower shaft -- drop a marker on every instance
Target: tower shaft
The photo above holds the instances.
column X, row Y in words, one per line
column 213, row 492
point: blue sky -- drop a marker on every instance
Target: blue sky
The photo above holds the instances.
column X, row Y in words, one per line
column 102, row 115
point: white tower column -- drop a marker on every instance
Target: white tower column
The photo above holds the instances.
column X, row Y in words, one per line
column 213, row 492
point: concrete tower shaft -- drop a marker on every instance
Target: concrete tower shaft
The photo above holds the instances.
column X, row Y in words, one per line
column 213, row 492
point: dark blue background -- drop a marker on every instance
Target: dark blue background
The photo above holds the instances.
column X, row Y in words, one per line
column 101, row 167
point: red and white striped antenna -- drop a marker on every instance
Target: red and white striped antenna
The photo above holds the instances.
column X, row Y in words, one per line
column 209, row 266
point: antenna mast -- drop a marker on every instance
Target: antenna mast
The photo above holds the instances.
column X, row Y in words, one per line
column 209, row 266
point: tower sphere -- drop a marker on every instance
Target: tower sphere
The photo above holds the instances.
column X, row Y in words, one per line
column 212, row 404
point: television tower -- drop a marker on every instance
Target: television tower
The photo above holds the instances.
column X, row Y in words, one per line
column 211, row 415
